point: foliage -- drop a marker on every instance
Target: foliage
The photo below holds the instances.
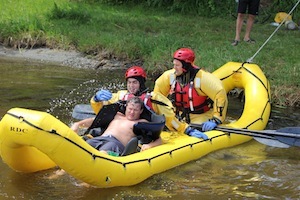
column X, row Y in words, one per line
column 72, row 12
column 207, row 8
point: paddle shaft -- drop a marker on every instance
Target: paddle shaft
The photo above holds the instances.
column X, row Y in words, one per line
column 271, row 137
column 264, row 132
column 239, row 132
column 264, row 139
column 246, row 133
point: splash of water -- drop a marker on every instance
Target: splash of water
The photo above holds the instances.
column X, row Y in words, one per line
column 62, row 106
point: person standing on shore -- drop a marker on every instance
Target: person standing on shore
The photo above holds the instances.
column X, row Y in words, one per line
column 252, row 7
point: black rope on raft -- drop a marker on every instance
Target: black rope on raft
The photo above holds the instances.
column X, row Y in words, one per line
column 255, row 76
column 56, row 133
column 97, row 156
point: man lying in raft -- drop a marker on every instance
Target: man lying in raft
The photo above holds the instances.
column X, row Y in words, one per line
column 119, row 131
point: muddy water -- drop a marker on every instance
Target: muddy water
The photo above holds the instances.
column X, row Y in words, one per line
column 248, row 171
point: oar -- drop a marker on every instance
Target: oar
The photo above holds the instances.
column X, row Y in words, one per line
column 83, row 111
column 264, row 139
column 289, row 136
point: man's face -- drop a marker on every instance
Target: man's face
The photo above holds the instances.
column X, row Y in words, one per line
column 133, row 111
column 133, row 85
column 177, row 65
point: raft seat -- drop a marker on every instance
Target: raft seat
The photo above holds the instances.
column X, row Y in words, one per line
column 131, row 147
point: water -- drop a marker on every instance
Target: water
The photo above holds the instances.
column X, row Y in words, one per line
column 248, row 171
column 51, row 88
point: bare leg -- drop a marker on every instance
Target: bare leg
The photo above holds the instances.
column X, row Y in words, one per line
column 250, row 22
column 239, row 26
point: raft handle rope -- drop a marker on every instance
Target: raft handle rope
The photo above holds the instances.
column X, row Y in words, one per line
column 52, row 131
column 250, row 60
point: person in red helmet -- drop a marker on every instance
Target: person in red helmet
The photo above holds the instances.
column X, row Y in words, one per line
column 139, row 74
column 193, row 91
column 136, row 78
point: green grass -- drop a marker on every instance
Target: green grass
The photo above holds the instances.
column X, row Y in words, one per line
column 152, row 36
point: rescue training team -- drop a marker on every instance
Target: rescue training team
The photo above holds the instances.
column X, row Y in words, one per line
column 185, row 94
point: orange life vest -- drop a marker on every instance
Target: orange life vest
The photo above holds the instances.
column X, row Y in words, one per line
column 186, row 99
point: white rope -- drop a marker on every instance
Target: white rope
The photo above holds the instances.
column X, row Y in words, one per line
column 251, row 59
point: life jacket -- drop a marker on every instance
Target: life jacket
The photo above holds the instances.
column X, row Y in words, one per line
column 186, row 99
column 145, row 97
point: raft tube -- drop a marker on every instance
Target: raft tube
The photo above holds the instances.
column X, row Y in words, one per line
column 32, row 141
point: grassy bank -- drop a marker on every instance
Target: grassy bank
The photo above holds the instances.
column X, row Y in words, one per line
column 151, row 37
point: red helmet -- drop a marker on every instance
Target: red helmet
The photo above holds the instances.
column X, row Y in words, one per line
column 185, row 54
column 135, row 71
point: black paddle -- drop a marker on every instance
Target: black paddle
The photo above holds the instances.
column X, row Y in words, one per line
column 284, row 137
column 83, row 111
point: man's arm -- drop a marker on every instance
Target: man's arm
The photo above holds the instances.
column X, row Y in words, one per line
column 97, row 106
column 213, row 88
column 152, row 144
column 162, row 83
column 172, row 123
column 83, row 123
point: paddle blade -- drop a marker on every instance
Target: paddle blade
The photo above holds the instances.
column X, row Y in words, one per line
column 293, row 141
column 271, row 142
column 83, row 111
column 289, row 141
column 294, row 130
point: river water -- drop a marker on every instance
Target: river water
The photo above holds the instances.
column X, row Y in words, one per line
column 248, row 171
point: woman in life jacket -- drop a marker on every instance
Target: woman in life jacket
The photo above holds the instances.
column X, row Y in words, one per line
column 136, row 77
column 197, row 95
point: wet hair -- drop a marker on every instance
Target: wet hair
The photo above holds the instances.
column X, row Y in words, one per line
column 136, row 100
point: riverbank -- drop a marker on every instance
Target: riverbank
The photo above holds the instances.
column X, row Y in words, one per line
column 60, row 57
column 101, row 61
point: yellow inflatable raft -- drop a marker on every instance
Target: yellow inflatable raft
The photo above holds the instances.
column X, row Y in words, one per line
column 31, row 141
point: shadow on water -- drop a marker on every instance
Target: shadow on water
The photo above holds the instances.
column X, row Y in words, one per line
column 251, row 170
